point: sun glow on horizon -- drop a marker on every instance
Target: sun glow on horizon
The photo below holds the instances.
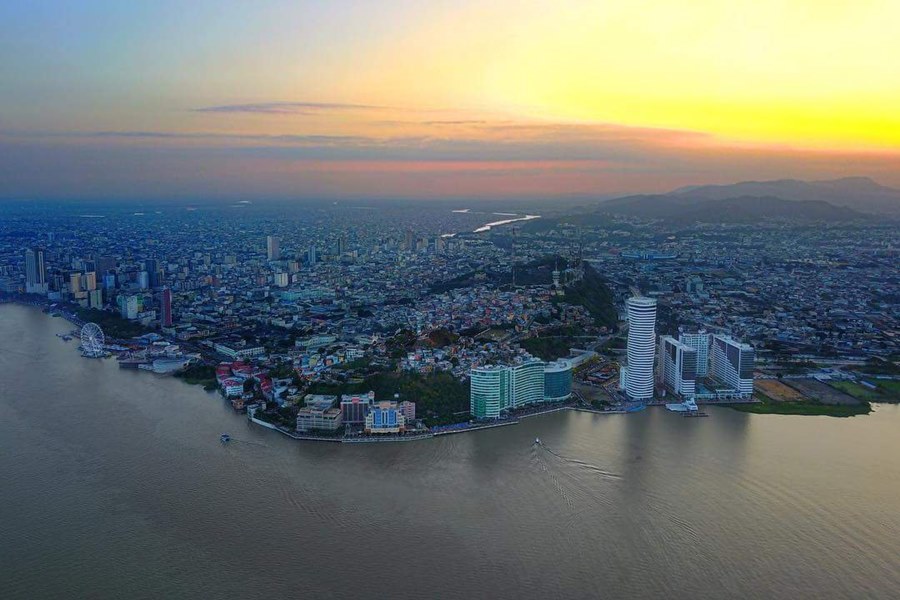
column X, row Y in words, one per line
column 665, row 87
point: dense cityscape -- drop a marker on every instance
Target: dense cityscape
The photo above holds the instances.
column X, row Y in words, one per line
column 360, row 321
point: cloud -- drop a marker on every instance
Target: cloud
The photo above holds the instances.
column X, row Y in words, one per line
column 287, row 108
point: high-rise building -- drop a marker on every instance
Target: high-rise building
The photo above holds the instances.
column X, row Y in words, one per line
column 641, row 348
column 557, row 381
column 129, row 306
column 89, row 281
column 152, row 272
column 311, row 255
column 526, row 384
column 74, row 282
column 165, row 308
column 35, row 271
column 494, row 389
column 282, row 279
column 700, row 343
column 273, row 249
column 488, row 391
column 678, row 366
column 95, row 299
column 733, row 362
column 144, row 280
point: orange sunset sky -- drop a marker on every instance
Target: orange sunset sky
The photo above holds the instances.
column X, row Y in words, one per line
column 433, row 99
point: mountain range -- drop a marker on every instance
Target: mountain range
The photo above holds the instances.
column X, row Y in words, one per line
column 848, row 199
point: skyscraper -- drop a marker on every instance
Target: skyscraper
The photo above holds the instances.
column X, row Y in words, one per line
column 89, row 281
column 75, row 282
column 526, row 383
column 152, row 272
column 558, row 378
column 165, row 308
column 488, row 391
column 273, row 249
column 35, row 271
column 641, row 348
column 733, row 362
column 678, row 366
column 700, row 343
column 494, row 389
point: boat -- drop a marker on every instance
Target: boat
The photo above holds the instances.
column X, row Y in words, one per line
column 225, row 438
column 537, row 441
column 688, row 405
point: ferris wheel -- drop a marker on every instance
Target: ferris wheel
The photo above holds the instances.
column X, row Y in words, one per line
column 92, row 340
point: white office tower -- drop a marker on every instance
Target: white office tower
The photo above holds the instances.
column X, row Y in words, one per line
column 526, row 383
column 273, row 249
column 678, row 367
column 35, row 271
column 700, row 343
column 641, row 348
column 733, row 362
column 489, row 391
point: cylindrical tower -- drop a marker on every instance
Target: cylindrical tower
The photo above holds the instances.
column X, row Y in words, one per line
column 641, row 347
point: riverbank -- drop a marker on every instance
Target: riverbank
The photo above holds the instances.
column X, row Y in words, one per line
column 432, row 433
column 768, row 406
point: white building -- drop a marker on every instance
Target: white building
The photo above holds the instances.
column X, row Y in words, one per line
column 678, row 367
column 488, row 391
column 526, row 384
column 700, row 343
column 239, row 353
column 494, row 389
column 733, row 362
column 35, row 271
column 129, row 307
column 641, row 348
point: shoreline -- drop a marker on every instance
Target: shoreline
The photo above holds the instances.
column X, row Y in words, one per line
column 424, row 435
column 753, row 406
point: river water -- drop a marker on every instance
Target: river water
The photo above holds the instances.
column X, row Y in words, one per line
column 115, row 485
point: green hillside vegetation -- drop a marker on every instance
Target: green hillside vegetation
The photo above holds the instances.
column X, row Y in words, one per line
column 594, row 295
column 553, row 343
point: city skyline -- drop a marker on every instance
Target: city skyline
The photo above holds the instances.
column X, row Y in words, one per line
column 439, row 99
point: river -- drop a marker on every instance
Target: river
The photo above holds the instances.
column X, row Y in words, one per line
column 115, row 485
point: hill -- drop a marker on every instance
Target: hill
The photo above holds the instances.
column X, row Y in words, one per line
column 857, row 193
column 687, row 209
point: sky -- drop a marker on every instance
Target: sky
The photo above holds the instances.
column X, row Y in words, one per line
column 441, row 99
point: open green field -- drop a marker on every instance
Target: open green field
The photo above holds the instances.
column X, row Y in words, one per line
column 768, row 406
column 888, row 391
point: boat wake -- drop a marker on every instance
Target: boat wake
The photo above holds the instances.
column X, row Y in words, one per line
column 580, row 463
